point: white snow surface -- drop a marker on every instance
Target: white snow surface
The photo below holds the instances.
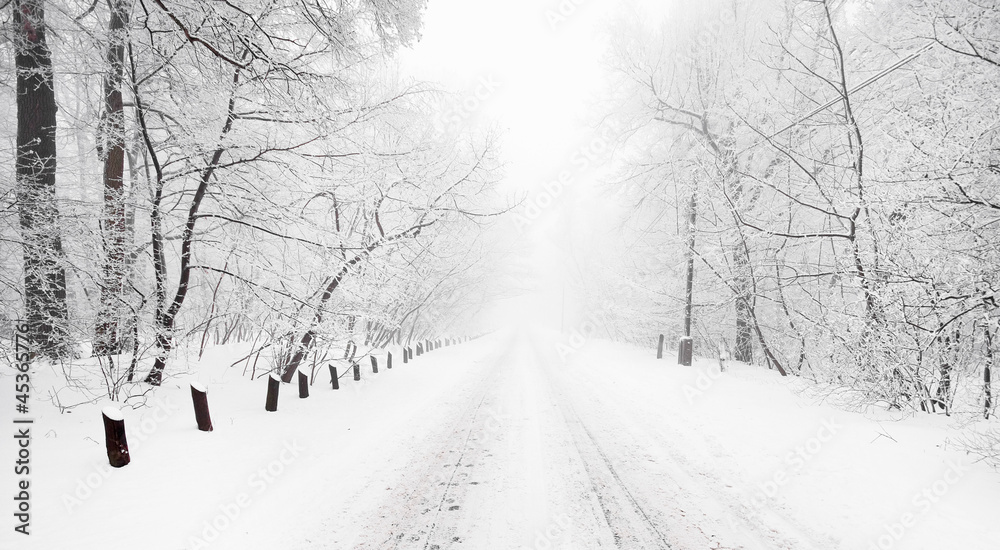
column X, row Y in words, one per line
column 516, row 440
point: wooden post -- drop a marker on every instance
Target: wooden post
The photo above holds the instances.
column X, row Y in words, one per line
column 303, row 385
column 334, row 379
column 659, row 348
column 685, row 351
column 199, row 395
column 374, row 364
column 406, row 355
column 388, row 359
column 114, row 437
column 357, row 372
column 273, row 384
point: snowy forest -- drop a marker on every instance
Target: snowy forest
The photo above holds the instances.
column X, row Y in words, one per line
column 215, row 172
column 829, row 170
column 807, row 192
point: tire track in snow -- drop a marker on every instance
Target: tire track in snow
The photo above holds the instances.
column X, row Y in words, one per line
column 628, row 520
column 423, row 488
column 706, row 502
column 638, row 508
column 451, row 478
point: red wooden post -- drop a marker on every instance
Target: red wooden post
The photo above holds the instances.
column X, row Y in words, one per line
column 374, row 364
column 199, row 396
column 334, row 379
column 303, row 385
column 114, row 437
column 273, row 384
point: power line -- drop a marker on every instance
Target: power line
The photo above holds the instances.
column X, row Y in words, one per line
column 857, row 88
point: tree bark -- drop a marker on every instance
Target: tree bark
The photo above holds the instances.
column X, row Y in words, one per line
column 114, row 226
column 44, row 276
column 689, row 252
column 743, row 350
column 987, row 376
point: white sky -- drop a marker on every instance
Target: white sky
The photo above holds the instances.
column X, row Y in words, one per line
column 546, row 59
column 545, row 74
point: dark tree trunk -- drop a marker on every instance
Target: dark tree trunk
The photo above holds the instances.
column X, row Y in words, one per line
column 987, row 376
column 165, row 318
column 306, row 342
column 689, row 252
column 44, row 277
column 350, row 338
column 114, row 226
column 743, row 350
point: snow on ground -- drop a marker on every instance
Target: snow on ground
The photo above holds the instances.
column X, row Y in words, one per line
column 516, row 440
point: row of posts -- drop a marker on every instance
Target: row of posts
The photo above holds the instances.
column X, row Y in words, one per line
column 114, row 423
column 685, row 350
column 274, row 382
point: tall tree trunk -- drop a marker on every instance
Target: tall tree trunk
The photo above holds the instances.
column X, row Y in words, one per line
column 742, row 272
column 689, row 286
column 44, row 277
column 987, row 375
column 114, row 228
column 743, row 350
column 165, row 319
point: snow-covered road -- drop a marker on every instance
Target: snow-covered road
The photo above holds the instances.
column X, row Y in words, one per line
column 531, row 454
column 519, row 440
